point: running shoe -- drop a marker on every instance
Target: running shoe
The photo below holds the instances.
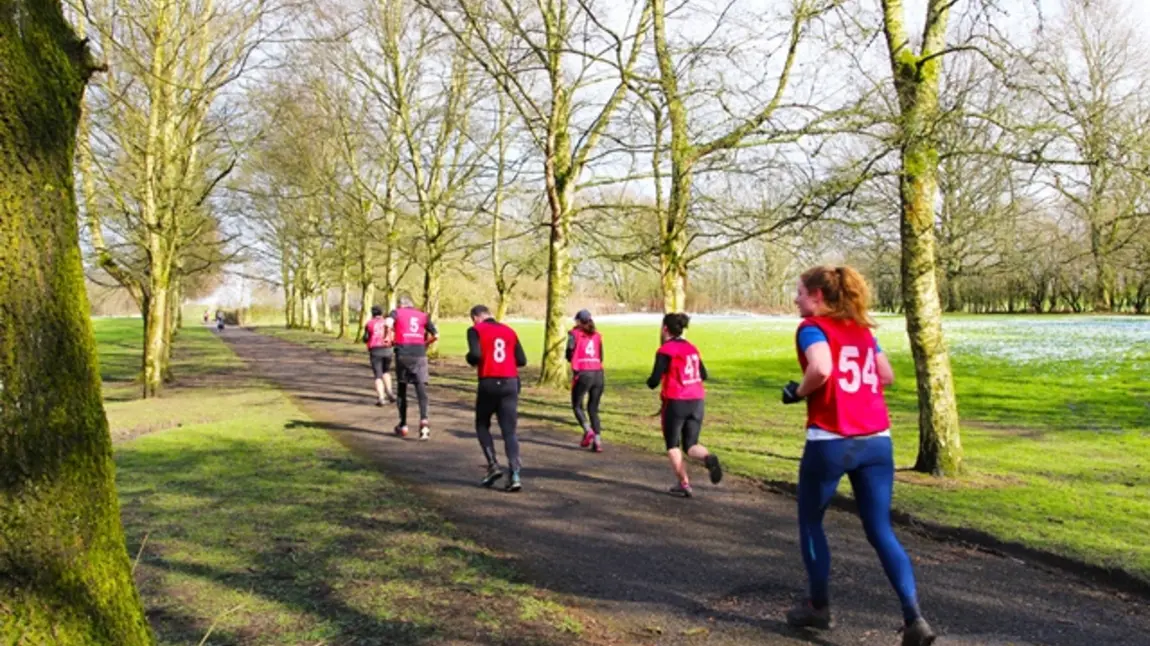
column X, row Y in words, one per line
column 918, row 634
column 588, row 438
column 713, row 467
column 401, row 430
column 493, row 473
column 682, row 489
column 424, row 430
column 513, row 484
column 805, row 615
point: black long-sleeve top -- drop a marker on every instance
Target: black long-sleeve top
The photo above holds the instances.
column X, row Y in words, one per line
column 475, row 352
column 663, row 364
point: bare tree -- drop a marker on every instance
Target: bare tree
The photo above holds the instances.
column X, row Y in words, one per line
column 1091, row 76
column 552, row 47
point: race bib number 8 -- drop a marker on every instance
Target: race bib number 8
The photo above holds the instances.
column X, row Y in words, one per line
column 854, row 375
column 500, row 354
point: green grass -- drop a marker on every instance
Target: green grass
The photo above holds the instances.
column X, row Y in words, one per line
column 254, row 525
column 1055, row 412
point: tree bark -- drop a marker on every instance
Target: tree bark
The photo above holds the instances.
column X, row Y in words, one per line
column 65, row 575
column 916, row 81
column 344, row 303
column 325, row 303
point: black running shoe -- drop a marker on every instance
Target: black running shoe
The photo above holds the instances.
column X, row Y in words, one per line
column 493, row 473
column 682, row 489
column 918, row 634
column 713, row 467
column 804, row 615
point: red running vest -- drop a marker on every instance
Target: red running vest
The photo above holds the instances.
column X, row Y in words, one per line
column 497, row 350
column 851, row 402
column 588, row 350
column 410, row 326
column 377, row 334
column 684, row 378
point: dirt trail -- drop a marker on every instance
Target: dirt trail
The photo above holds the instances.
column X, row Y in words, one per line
column 720, row 568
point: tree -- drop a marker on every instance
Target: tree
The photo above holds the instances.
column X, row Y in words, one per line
column 65, row 575
column 689, row 153
column 156, row 150
column 550, row 44
column 915, row 75
column 1092, row 80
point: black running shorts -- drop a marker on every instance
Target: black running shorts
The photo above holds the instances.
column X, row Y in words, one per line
column 380, row 361
column 682, row 421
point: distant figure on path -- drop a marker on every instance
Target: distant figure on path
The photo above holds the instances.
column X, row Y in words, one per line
column 379, row 335
column 414, row 331
column 848, row 432
column 585, row 354
column 494, row 349
column 219, row 320
column 679, row 370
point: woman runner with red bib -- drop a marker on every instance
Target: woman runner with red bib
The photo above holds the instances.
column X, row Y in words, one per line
column 680, row 371
column 379, row 335
column 848, row 432
column 585, row 353
column 494, row 349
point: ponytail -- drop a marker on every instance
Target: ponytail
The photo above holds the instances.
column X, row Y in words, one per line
column 845, row 292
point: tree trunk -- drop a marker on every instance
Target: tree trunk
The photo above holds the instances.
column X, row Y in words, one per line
column 1104, row 274
column 344, row 303
column 289, row 296
column 501, row 305
column 916, row 81
column 154, row 338
column 325, row 303
column 313, row 322
column 366, row 300
column 432, row 283
column 65, row 576
column 554, row 372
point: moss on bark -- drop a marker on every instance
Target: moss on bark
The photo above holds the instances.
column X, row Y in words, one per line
column 65, row 577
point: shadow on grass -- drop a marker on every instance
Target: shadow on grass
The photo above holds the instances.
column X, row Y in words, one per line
column 289, row 539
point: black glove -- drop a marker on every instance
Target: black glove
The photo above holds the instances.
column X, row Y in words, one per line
column 791, row 393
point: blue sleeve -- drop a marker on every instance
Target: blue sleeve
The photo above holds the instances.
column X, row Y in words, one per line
column 877, row 347
column 809, row 336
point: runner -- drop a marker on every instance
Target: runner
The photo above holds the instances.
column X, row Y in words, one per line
column 379, row 335
column 413, row 333
column 220, row 320
column 585, row 354
column 494, row 349
column 848, row 432
column 681, row 372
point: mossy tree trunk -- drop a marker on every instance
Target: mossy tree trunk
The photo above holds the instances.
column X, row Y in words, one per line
column 65, row 575
column 916, row 81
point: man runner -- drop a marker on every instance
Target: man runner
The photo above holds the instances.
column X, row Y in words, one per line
column 494, row 349
column 413, row 333
column 379, row 335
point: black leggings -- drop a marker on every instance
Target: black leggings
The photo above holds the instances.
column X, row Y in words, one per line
column 498, row 397
column 587, row 383
column 420, row 394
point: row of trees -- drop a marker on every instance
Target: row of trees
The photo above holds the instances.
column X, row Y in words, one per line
column 394, row 143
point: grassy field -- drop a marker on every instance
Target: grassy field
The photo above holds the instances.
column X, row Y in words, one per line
column 253, row 527
column 1055, row 411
